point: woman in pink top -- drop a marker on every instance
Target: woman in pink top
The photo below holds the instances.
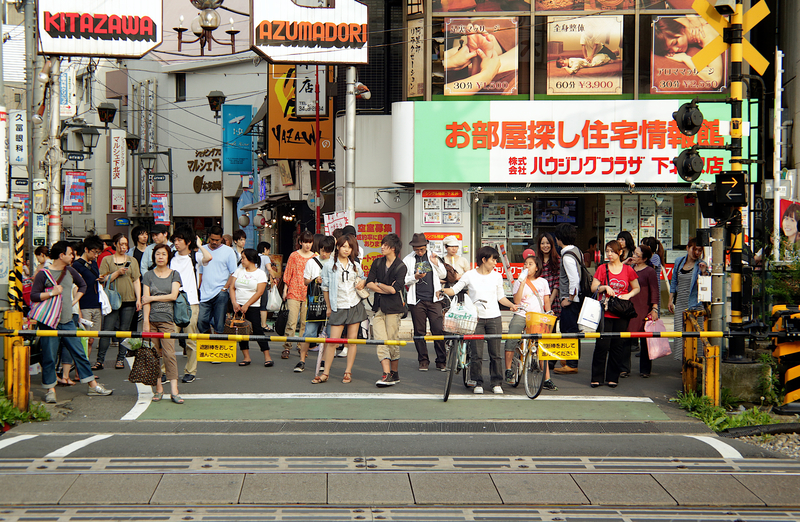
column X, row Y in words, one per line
column 295, row 289
column 612, row 279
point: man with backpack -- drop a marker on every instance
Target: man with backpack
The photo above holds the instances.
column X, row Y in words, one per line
column 570, row 285
column 185, row 262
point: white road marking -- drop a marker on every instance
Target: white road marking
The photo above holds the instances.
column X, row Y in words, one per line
column 726, row 451
column 143, row 400
column 408, row 396
column 4, row 443
column 75, row 446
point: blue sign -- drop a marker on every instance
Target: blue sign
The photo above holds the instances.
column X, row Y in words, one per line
column 122, row 222
column 237, row 148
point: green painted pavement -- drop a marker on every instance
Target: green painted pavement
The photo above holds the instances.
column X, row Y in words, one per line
column 388, row 409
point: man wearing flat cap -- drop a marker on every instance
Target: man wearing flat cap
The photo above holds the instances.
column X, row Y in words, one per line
column 424, row 272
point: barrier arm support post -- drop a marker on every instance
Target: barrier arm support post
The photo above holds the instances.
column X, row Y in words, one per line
column 17, row 360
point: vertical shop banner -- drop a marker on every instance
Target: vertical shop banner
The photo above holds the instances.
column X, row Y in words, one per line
column 237, row 148
column 676, row 39
column 415, row 50
column 18, row 138
column 466, row 72
column 74, row 191
column 307, row 78
column 118, row 160
column 334, row 220
column 39, row 229
column 371, row 227
column 584, row 55
column 290, row 136
column 160, row 208
column 452, row 6
column 68, row 92
column 118, row 197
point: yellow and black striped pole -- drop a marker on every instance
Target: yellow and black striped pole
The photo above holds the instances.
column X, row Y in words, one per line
column 736, row 346
column 15, row 276
column 17, row 354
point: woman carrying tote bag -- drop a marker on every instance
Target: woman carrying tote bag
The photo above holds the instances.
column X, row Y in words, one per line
column 246, row 286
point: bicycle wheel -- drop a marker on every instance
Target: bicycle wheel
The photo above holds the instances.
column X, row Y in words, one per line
column 533, row 375
column 452, row 365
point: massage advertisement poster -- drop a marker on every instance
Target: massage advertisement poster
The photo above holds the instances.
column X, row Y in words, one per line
column 480, row 56
column 676, row 39
column 584, row 55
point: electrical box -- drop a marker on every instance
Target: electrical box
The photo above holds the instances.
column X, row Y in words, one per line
column 704, row 289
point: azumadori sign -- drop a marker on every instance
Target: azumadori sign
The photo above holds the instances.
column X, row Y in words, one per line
column 112, row 28
column 285, row 32
column 576, row 141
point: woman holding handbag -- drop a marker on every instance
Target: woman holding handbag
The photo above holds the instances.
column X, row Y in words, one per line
column 53, row 312
column 613, row 279
column 646, row 305
column 161, row 287
column 122, row 273
column 342, row 276
column 246, row 286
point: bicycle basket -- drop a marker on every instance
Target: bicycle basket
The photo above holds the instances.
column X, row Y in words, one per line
column 539, row 323
column 461, row 318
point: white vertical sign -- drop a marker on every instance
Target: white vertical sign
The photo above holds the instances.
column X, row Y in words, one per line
column 3, row 155
column 69, row 96
column 306, row 95
column 117, row 161
column 18, row 138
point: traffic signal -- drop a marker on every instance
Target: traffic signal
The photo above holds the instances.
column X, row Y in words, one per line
column 689, row 118
column 689, row 165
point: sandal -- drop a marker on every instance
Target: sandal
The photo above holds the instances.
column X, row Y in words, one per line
column 97, row 366
column 319, row 379
column 285, row 354
column 65, row 382
column 347, row 378
column 157, row 396
column 176, row 399
column 245, row 363
column 120, row 365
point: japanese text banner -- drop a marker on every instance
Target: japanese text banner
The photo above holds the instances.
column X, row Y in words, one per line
column 560, row 142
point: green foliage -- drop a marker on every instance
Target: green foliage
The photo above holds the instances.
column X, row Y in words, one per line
column 11, row 415
column 782, row 283
column 769, row 382
column 727, row 400
column 715, row 417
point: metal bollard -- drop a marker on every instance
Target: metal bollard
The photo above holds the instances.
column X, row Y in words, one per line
column 18, row 360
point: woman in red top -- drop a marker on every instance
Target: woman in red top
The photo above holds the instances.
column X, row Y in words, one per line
column 295, row 289
column 612, row 279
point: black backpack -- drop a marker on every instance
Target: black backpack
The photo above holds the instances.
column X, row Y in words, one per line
column 585, row 287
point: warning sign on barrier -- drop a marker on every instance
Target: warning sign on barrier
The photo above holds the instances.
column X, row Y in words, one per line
column 224, row 351
column 558, row 349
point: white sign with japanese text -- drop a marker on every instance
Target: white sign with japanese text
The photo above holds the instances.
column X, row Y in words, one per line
column 18, row 138
column 306, row 95
column 118, row 159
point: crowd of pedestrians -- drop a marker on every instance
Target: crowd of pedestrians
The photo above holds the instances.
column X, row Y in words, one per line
column 327, row 294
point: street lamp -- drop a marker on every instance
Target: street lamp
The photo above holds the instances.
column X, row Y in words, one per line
column 132, row 141
column 89, row 136
column 215, row 101
column 106, row 112
column 147, row 161
column 203, row 26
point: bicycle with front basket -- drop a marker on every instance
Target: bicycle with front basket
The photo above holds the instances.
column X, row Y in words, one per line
column 526, row 365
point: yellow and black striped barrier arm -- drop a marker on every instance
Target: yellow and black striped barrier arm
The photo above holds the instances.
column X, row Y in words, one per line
column 15, row 276
column 586, row 335
column 196, row 337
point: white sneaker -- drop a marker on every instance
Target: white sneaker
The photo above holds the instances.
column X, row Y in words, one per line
column 478, row 390
column 100, row 390
column 343, row 353
column 498, row 390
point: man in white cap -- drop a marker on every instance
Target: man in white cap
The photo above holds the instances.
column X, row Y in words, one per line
column 461, row 265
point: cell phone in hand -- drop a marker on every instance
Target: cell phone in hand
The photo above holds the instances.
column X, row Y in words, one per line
column 128, row 264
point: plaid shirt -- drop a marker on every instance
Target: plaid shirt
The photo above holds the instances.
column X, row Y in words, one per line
column 551, row 276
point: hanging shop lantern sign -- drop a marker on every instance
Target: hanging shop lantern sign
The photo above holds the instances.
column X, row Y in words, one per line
column 283, row 31
column 116, row 28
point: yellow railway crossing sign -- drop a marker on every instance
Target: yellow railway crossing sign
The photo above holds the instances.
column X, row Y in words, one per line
column 224, row 351
column 558, row 349
column 718, row 46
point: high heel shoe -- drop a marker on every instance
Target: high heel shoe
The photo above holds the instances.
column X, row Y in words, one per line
column 594, row 384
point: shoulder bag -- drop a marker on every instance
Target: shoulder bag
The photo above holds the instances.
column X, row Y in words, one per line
column 281, row 319
column 237, row 325
column 48, row 312
column 114, row 299
column 181, row 309
column 317, row 309
column 622, row 308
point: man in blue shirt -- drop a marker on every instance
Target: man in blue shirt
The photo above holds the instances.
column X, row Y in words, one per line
column 214, row 283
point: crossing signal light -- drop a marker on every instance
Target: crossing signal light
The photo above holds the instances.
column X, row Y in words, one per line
column 689, row 165
column 689, row 118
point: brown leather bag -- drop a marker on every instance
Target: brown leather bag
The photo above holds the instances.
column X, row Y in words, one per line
column 236, row 324
column 452, row 275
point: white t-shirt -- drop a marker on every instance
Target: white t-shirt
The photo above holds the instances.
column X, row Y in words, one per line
column 246, row 284
column 313, row 270
column 530, row 303
column 484, row 290
column 183, row 265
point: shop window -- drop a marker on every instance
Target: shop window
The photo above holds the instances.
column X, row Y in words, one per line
column 87, row 200
column 414, row 7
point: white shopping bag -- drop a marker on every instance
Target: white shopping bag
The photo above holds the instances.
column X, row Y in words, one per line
column 590, row 316
column 274, row 301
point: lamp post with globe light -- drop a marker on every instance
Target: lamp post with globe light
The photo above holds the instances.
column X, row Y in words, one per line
column 203, row 26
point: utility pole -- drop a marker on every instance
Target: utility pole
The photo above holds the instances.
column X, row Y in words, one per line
column 350, row 147
column 33, row 97
column 54, row 157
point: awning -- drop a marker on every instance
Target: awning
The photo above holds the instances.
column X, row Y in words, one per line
column 270, row 200
column 259, row 117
